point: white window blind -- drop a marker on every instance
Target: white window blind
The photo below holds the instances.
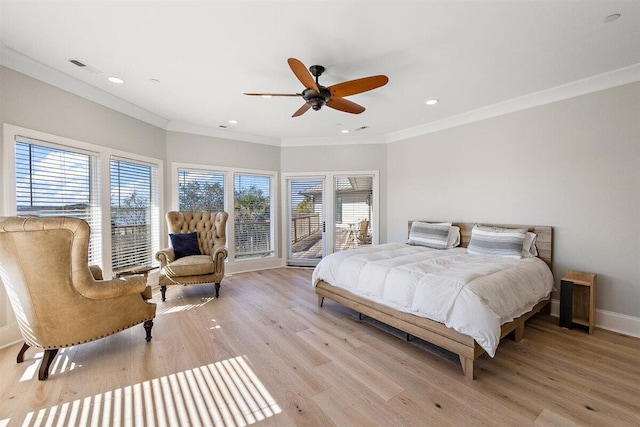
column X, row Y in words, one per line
column 134, row 201
column 57, row 181
column 252, row 209
column 200, row 190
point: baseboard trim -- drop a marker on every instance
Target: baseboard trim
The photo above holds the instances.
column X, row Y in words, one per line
column 9, row 335
column 609, row 320
column 245, row 266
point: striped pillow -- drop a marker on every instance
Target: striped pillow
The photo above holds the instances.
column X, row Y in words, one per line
column 504, row 242
column 430, row 235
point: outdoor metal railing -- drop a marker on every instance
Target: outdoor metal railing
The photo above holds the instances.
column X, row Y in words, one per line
column 303, row 225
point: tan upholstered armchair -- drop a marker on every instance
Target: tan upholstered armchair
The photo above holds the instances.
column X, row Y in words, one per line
column 198, row 250
column 54, row 293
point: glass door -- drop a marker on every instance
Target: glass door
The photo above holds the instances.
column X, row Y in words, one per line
column 305, row 222
column 353, row 211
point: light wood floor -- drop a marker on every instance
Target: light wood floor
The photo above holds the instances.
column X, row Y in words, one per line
column 265, row 353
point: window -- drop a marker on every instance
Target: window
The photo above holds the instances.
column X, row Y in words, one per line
column 53, row 180
column 133, row 201
column 200, row 190
column 252, row 216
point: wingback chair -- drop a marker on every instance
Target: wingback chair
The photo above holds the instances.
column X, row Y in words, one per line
column 197, row 252
column 58, row 300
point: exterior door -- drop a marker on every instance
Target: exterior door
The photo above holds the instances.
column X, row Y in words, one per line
column 306, row 220
column 353, row 215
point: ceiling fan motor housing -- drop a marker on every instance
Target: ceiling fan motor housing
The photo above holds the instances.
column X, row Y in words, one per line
column 315, row 99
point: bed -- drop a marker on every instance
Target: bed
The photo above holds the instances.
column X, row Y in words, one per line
column 361, row 278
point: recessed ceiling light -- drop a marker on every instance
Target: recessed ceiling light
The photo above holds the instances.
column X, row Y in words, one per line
column 345, row 131
column 117, row 80
column 432, row 102
column 611, row 18
column 233, row 122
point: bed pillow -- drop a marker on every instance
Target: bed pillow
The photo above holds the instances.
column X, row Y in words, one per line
column 433, row 236
column 503, row 242
column 185, row 244
column 454, row 237
column 529, row 249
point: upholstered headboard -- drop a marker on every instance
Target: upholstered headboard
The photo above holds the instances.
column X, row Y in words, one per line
column 544, row 239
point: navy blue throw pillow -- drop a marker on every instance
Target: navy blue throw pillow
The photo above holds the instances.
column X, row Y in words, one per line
column 185, row 244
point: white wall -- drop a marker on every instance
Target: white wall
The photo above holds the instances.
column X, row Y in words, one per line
column 208, row 150
column 573, row 164
column 32, row 104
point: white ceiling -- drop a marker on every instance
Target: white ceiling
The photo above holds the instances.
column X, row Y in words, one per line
column 468, row 54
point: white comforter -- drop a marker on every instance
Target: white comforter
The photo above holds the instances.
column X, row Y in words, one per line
column 473, row 294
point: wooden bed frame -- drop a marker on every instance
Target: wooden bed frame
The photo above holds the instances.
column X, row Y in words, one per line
column 435, row 332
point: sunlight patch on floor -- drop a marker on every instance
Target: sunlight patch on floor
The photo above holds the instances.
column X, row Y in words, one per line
column 184, row 307
column 221, row 393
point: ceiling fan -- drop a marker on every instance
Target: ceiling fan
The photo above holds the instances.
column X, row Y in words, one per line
column 316, row 95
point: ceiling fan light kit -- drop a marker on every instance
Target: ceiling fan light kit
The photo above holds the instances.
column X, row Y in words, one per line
column 316, row 95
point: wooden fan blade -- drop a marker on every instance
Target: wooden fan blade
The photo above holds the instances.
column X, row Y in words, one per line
column 301, row 110
column 302, row 74
column 345, row 105
column 353, row 87
column 268, row 95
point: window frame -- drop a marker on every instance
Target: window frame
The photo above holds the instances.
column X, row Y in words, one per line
column 272, row 204
column 104, row 154
column 93, row 215
column 232, row 263
column 154, row 191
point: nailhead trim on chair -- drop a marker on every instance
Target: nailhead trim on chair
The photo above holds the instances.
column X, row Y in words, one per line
column 93, row 339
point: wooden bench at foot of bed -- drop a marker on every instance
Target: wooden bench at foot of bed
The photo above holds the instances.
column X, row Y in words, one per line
column 434, row 332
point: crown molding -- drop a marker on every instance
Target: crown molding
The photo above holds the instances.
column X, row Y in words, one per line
column 585, row 86
column 39, row 71
column 228, row 134
column 338, row 140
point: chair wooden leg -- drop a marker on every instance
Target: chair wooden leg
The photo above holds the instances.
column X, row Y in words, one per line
column 43, row 373
column 147, row 327
column 24, row 348
column 217, row 286
column 163, row 291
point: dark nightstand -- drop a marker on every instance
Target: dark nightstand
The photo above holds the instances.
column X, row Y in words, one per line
column 578, row 300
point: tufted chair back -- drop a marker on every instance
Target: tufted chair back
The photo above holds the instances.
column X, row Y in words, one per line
column 206, row 267
column 210, row 226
